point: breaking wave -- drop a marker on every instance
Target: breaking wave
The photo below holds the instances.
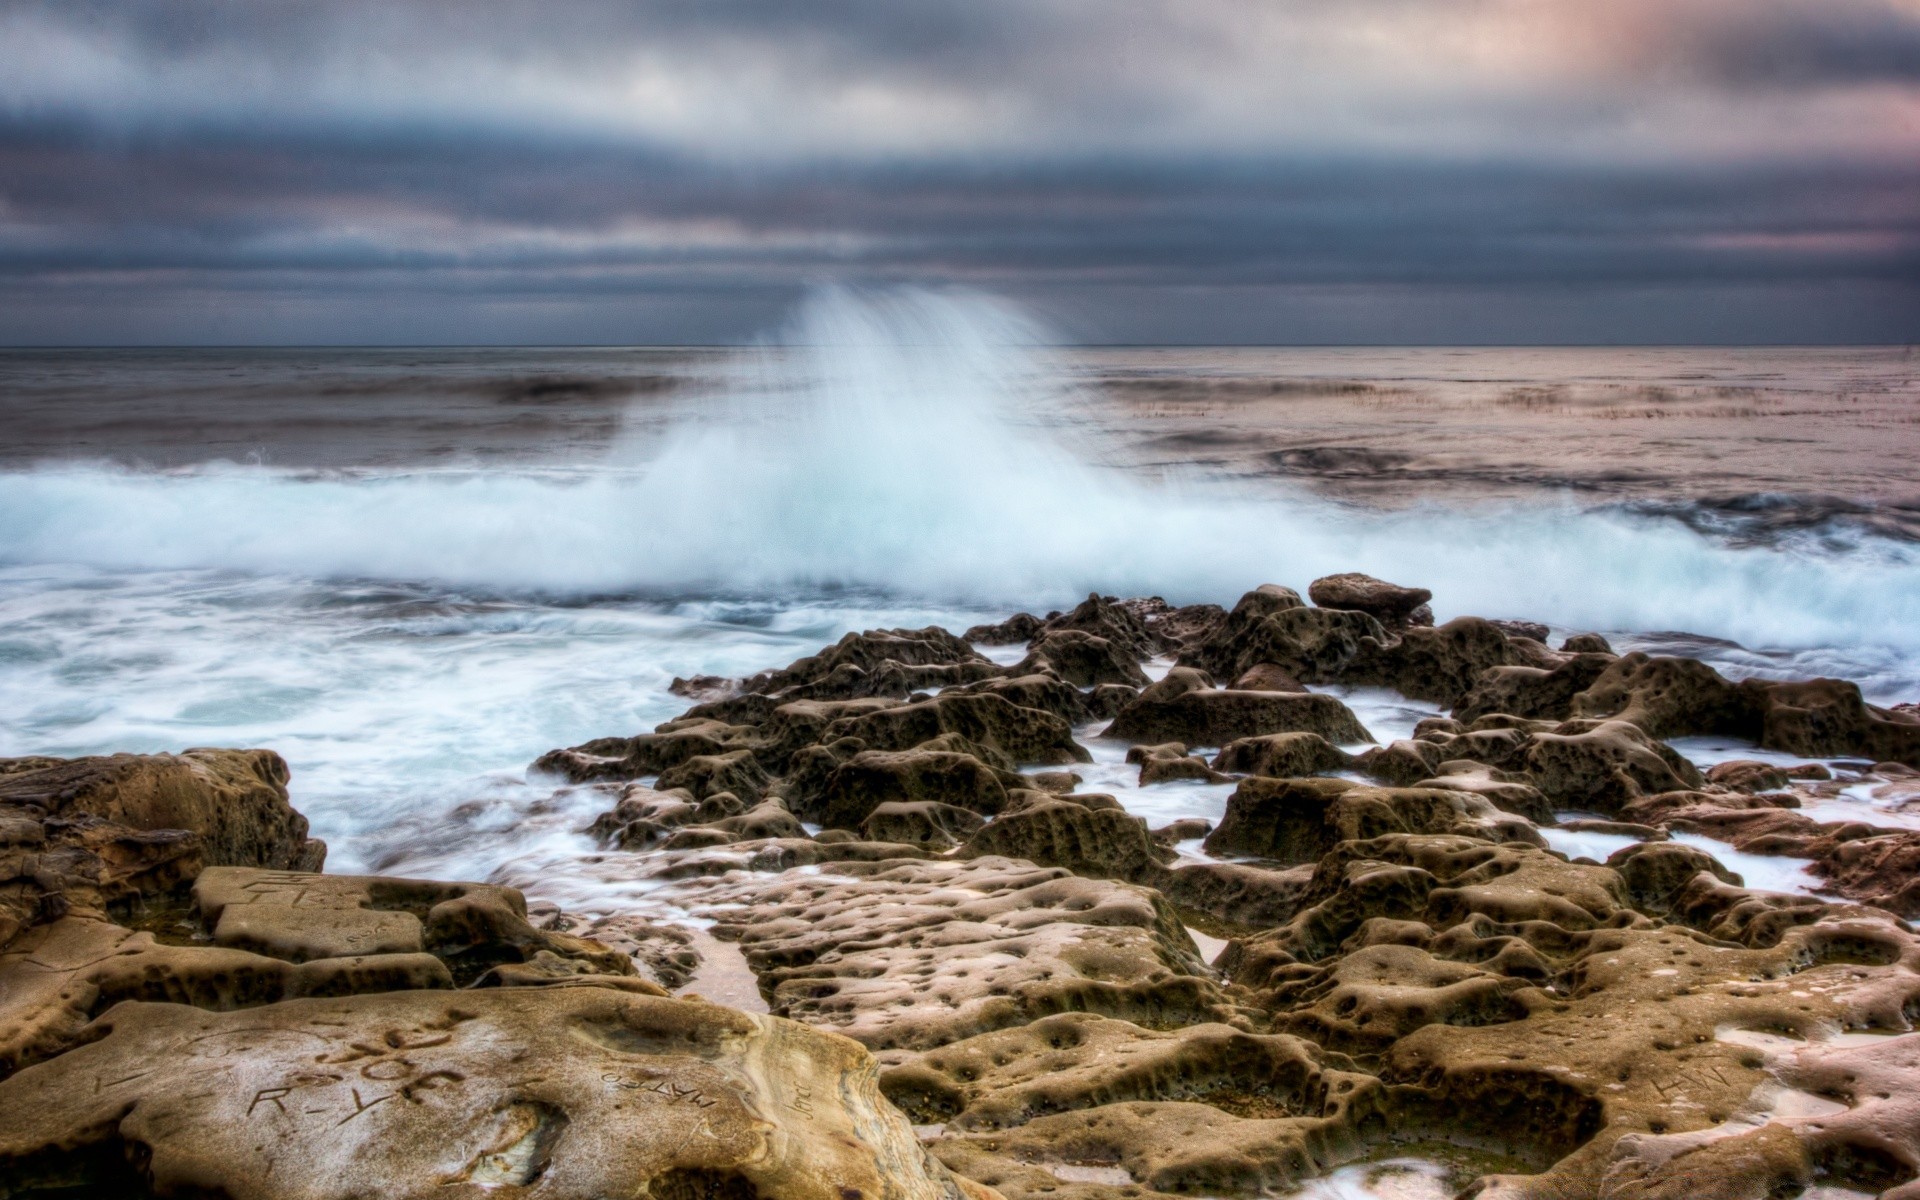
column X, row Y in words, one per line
column 922, row 444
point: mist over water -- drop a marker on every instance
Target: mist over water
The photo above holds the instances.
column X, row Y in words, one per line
column 411, row 637
column 923, row 446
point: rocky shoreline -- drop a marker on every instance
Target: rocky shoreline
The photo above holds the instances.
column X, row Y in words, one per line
column 982, row 978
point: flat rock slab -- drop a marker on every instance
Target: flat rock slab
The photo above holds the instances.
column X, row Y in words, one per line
column 563, row 1092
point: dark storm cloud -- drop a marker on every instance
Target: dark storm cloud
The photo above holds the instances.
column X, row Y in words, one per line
column 496, row 170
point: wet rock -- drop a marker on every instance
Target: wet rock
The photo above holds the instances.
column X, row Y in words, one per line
column 662, row 954
column 416, row 1093
column 55, row 978
column 1115, row 621
column 1082, row 659
column 868, row 653
column 1016, row 630
column 921, row 823
column 1602, row 766
column 1390, row 604
column 81, row 835
column 1520, row 799
column 1882, row 870
column 1533, row 692
column 1077, row 1061
column 875, row 777
column 1523, row 629
column 1586, row 643
column 1300, row 820
column 705, row 688
column 1440, row 664
column 704, row 775
column 625, row 758
column 917, row 954
column 1669, row 697
column 1237, row 896
column 1267, row 677
column 1282, row 755
column 1746, row 775
column 1022, row 735
column 1174, row 711
column 1102, row 843
column 300, row 916
column 1185, row 829
column 1170, row 763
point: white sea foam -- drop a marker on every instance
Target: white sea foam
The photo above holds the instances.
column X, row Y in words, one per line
column 921, row 445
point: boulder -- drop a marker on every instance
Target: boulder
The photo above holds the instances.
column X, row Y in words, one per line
column 1267, row 677
column 1211, row 717
column 1282, row 755
column 1022, row 735
column 85, row 834
column 1390, row 604
column 1601, row 766
column 1536, row 693
column 1082, row 659
column 1300, row 820
column 876, row 777
column 1106, row 843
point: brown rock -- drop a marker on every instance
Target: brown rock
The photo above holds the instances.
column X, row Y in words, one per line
column 921, row 823
column 1388, row 603
column 1206, row 717
column 1082, row 659
column 581, row 1091
column 1282, row 755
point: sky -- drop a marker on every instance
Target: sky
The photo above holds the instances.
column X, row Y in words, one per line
column 1137, row 171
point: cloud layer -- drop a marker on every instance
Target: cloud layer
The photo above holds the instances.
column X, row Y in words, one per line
column 1183, row 170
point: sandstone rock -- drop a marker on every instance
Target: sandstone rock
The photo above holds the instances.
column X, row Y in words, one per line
column 299, row 916
column 1388, row 603
column 1115, row 621
column 1601, row 766
column 703, row 775
column 1015, row 630
column 1222, row 650
column 1532, row 692
column 1441, row 664
column 1100, row 843
column 917, row 954
column 867, row 654
column 921, row 823
column 1586, row 643
column 663, row 954
column 1082, row 659
column 581, row 1092
column 1522, row 629
column 1206, row 717
column 624, row 758
column 1024, row 735
column 1267, row 677
column 1238, row 897
column 872, row 778
column 1077, row 1061
column 55, row 978
column 1282, row 755
column 1883, row 871
column 1746, row 775
column 84, row 834
column 1299, row 820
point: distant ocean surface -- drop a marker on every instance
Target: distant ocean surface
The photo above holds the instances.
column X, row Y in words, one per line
column 412, row 571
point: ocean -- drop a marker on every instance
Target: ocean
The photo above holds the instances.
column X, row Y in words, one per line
column 413, row 571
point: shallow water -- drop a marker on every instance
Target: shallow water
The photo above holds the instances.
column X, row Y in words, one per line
column 429, row 567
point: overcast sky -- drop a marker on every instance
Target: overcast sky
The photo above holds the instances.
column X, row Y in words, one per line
column 457, row 171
